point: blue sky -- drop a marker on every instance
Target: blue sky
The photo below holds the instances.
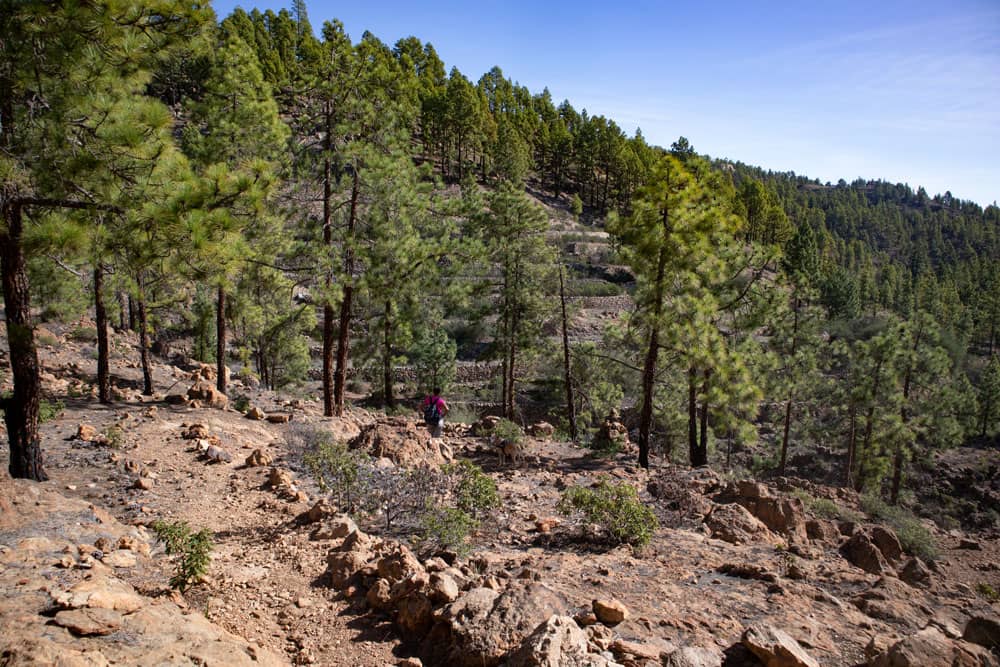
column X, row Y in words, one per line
column 904, row 91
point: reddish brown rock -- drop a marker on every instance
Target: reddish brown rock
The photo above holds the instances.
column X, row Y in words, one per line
column 776, row 648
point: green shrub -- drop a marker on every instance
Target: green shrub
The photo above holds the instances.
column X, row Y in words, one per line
column 826, row 508
column 49, row 410
column 83, row 334
column 337, row 469
column 988, row 592
column 115, row 434
column 615, row 507
column 241, row 403
column 194, row 550
column 508, row 430
column 912, row 534
column 448, row 528
column 45, row 338
column 475, row 492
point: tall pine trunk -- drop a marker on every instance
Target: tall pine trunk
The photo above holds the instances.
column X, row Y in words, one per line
column 652, row 354
column 387, row 392
column 852, row 448
column 328, row 243
column 147, row 374
column 101, row 316
column 344, row 333
column 899, row 459
column 220, row 340
column 788, row 403
column 570, row 405
column 21, row 410
column 700, row 456
column 692, row 414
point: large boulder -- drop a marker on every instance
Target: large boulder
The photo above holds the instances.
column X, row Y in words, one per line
column 931, row 648
column 735, row 524
column 558, row 642
column 862, row 552
column 781, row 514
column 402, row 441
column 483, row 625
column 776, row 648
column 983, row 630
column 206, row 394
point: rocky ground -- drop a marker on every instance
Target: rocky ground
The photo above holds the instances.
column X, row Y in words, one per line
column 739, row 573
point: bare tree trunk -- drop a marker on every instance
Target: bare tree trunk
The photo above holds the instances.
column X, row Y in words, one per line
column 147, row 374
column 220, row 340
column 21, row 410
column 570, row 405
column 344, row 333
column 101, row 317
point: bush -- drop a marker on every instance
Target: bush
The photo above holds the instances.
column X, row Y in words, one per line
column 338, row 469
column 83, row 334
column 508, row 430
column 988, row 592
column 46, row 339
column 194, row 550
column 914, row 537
column 448, row 528
column 615, row 507
column 241, row 403
column 49, row 410
column 826, row 508
column 475, row 491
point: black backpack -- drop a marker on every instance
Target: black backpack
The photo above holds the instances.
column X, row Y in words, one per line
column 431, row 413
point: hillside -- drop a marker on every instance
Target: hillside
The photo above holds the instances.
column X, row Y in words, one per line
column 729, row 554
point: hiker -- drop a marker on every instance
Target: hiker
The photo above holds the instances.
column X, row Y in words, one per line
column 434, row 409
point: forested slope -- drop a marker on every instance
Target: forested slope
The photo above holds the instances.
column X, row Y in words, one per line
column 258, row 191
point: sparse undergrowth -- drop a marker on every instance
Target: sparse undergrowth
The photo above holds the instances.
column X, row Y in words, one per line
column 912, row 534
column 443, row 506
column 194, row 551
column 825, row 508
column 614, row 507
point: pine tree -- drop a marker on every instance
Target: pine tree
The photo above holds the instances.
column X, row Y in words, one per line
column 57, row 84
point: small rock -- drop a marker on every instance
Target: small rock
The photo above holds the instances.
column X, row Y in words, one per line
column 256, row 413
column 916, row 574
column 546, row 525
column 216, row 454
column 143, row 484
column 379, row 596
column 443, row 588
column 972, row 545
column 195, row 432
column 86, row 432
column 87, row 622
column 694, row 656
column 120, row 558
column 259, row 458
column 279, row 418
column 610, row 612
